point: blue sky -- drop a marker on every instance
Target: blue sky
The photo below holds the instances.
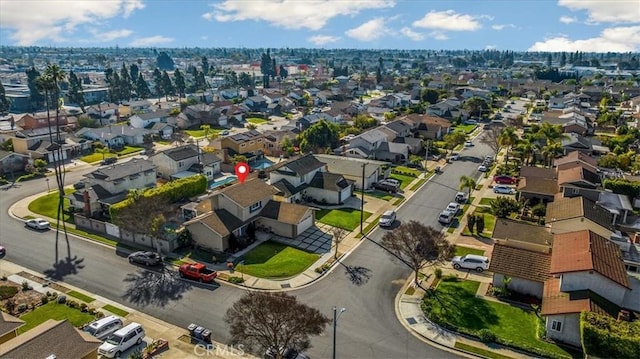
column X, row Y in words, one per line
column 520, row 25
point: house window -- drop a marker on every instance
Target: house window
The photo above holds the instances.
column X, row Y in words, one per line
column 259, row 140
column 252, row 142
column 576, row 190
column 556, row 325
column 180, row 164
column 254, row 207
column 243, row 145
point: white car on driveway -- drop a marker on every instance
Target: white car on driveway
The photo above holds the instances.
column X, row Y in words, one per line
column 471, row 261
column 37, row 223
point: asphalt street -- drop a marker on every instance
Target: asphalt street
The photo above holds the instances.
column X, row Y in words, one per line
column 366, row 283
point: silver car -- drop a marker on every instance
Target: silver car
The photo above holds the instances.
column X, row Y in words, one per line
column 387, row 219
column 37, row 223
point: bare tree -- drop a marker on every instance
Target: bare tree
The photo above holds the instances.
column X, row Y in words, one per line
column 143, row 215
column 338, row 236
column 418, row 246
column 491, row 138
column 263, row 320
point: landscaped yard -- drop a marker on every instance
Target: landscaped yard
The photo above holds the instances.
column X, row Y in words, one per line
column 466, row 128
column 346, row 218
column 83, row 297
column 455, row 305
column 115, row 310
column 275, row 260
column 379, row 194
column 489, row 221
column 129, row 149
column 200, row 133
column 405, row 169
column 257, row 120
column 463, row 251
column 96, row 157
column 47, row 205
column 458, row 218
column 404, row 180
column 53, row 310
column 485, row 201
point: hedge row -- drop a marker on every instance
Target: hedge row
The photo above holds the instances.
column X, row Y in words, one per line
column 606, row 337
column 623, row 186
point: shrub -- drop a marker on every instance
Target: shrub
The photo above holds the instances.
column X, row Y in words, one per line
column 25, row 285
column 72, row 304
column 22, row 307
column 486, row 336
column 62, row 299
column 83, row 307
column 99, row 315
column 10, row 305
column 54, row 295
column 438, row 273
column 92, row 311
column 7, row 291
column 4, row 277
column 44, row 300
column 609, row 338
column 236, row 280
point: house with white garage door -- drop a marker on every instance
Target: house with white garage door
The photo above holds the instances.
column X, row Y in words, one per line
column 227, row 214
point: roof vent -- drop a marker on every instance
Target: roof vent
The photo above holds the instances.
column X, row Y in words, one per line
column 52, row 356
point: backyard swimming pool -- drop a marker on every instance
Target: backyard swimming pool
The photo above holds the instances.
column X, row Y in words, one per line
column 261, row 164
column 223, row 181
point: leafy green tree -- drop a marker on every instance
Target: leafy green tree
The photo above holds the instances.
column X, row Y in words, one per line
column 75, row 90
column 157, row 82
column 503, row 206
column 266, row 67
column 125, row 83
column 363, row 121
column 245, row 80
column 7, row 145
column 508, row 138
column 5, row 103
column 167, row 85
column 238, row 158
column 134, row 71
column 467, row 182
column 429, row 95
column 539, row 210
column 471, row 221
column 178, row 80
column 320, row 135
column 480, row 223
column 454, row 139
column 142, row 88
column 164, row 61
column 205, row 65
column 114, row 88
column 476, row 106
column 35, row 95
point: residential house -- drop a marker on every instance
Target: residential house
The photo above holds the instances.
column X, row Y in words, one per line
column 579, row 181
column 256, row 103
column 12, row 163
column 95, row 94
column 135, row 107
column 52, row 339
column 556, row 103
column 9, row 326
column 307, row 178
column 537, row 184
column 143, row 120
column 184, row 161
column 234, row 208
column 111, row 184
column 571, row 214
column 581, row 127
column 200, row 114
column 516, row 243
column 161, row 129
column 103, row 110
column 352, row 169
column 428, row 127
column 308, row 120
column 41, row 120
column 108, row 136
column 36, row 143
column 576, row 158
column 273, row 140
column 588, row 275
column 576, row 142
column 249, row 144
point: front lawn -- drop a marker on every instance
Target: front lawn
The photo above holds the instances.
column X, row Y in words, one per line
column 407, row 170
column 83, row 297
column 379, row 194
column 346, row 218
column 275, row 260
column 128, row 150
column 200, row 133
column 53, row 310
column 454, row 305
column 257, row 120
column 489, row 221
column 96, row 157
column 485, row 201
column 463, row 251
column 404, row 180
column 465, row 128
column 47, row 205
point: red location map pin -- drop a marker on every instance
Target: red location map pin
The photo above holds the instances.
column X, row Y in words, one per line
column 242, row 170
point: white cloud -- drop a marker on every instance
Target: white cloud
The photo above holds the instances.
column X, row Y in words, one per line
column 291, row 14
column 151, row 41
column 615, row 39
column 53, row 20
column 319, row 40
column 415, row 36
column 110, row 35
column 503, row 26
column 568, row 19
column 606, row 10
column 438, row 35
column 369, row 31
column 448, row 20
column 490, row 47
column 204, row 37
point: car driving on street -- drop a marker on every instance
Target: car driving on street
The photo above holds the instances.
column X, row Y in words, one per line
column 387, row 218
column 37, row 223
column 146, row 258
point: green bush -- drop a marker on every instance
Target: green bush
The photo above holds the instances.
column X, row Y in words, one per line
column 7, row 291
column 44, row 300
column 25, row 285
column 236, row 280
column 487, row 336
column 99, row 315
column 438, row 273
column 606, row 337
column 623, row 186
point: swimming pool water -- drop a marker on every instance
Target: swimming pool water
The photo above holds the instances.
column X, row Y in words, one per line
column 223, row 181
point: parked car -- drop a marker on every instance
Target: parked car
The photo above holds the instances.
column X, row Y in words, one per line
column 145, row 257
column 454, row 156
column 471, row 122
column 109, row 161
column 104, row 327
column 462, row 197
column 446, row 217
column 386, row 186
column 288, row 353
column 37, row 223
column 504, row 179
column 468, row 144
column 453, row 207
column 503, row 189
column 471, row 261
column 393, row 181
column 387, row 219
column 197, row 271
column 122, row 340
column 79, row 185
column 224, row 133
column 483, row 168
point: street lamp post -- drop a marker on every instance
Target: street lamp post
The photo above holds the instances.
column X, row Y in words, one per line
column 336, row 315
column 48, row 188
column 362, row 199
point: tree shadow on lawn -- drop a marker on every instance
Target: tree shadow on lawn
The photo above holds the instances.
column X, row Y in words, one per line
column 155, row 287
column 460, row 307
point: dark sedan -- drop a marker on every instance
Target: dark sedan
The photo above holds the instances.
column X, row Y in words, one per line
column 146, row 258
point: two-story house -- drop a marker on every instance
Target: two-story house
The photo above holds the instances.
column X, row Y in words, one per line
column 143, row 120
column 352, row 169
column 197, row 115
column 185, row 161
column 111, row 184
column 103, row 110
column 228, row 213
column 256, row 103
column 571, row 214
column 249, row 144
column 307, row 178
column 12, row 163
column 588, row 274
column 41, row 120
column 428, row 127
column 37, row 143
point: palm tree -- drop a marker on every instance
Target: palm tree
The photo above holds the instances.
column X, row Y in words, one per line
column 467, row 182
column 550, row 151
column 526, row 147
column 508, row 138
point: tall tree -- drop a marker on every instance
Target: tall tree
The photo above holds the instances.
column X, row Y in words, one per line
column 164, row 61
column 508, row 138
column 418, row 246
column 491, row 138
column 114, row 88
column 563, row 59
column 476, row 106
column 157, row 82
column 245, row 80
column 134, row 71
column 125, row 83
column 35, row 95
column 205, row 65
column 142, row 88
column 265, row 320
column 76, row 95
column 167, row 85
column 468, row 183
column 320, row 135
column 178, row 80
column 5, row 103
column 266, row 67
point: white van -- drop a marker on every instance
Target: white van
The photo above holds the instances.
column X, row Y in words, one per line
column 122, row 340
column 103, row 327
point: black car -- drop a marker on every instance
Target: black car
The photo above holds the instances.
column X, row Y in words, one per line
column 146, row 258
column 109, row 161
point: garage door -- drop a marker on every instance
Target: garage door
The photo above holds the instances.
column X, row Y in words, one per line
column 305, row 224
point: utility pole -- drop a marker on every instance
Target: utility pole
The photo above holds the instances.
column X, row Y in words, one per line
column 336, row 315
column 362, row 199
column 426, row 156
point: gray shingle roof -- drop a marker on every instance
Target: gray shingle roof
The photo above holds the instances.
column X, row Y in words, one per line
column 329, row 181
column 121, row 170
column 304, row 165
column 181, row 153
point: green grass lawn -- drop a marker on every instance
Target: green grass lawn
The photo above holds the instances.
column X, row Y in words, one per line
column 257, row 120
column 115, row 310
column 346, row 218
column 420, row 182
column 47, row 205
column 55, row 311
column 96, row 157
column 408, row 170
column 480, row 351
column 485, row 201
column 489, row 221
column 275, row 260
column 379, row 194
column 404, row 180
column 83, row 297
column 456, row 304
column 128, row 150
column 463, row 251
column 466, row 128
column 200, row 133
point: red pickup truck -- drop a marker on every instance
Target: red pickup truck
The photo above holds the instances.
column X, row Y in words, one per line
column 197, row 271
